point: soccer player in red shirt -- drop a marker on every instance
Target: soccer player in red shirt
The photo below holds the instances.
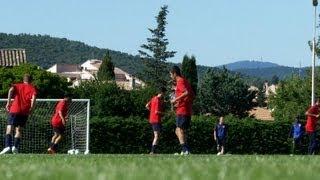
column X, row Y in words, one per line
column 58, row 123
column 19, row 109
column 311, row 126
column 183, row 100
column 155, row 106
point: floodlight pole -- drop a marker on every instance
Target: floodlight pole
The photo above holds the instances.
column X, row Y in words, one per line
column 315, row 4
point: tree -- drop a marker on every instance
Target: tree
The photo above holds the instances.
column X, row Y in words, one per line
column 107, row 99
column 275, row 80
column 155, row 53
column 261, row 99
column 106, row 70
column 48, row 85
column 292, row 98
column 189, row 71
column 222, row 93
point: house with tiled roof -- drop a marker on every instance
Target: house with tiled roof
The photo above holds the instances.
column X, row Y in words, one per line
column 88, row 71
column 12, row 57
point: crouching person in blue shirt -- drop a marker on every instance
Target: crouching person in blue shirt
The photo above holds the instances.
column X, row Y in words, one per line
column 296, row 133
column 220, row 136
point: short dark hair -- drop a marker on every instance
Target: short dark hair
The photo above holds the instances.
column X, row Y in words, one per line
column 67, row 95
column 162, row 90
column 176, row 70
column 27, row 77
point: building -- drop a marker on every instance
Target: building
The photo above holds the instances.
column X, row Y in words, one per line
column 88, row 71
column 12, row 57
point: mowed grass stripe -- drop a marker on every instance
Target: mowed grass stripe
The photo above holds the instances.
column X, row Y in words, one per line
column 159, row 167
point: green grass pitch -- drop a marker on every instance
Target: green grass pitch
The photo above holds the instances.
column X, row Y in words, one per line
column 100, row 167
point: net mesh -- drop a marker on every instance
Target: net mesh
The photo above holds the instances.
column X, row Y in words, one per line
column 36, row 135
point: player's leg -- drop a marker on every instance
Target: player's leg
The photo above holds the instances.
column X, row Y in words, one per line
column 8, row 136
column 17, row 139
column 21, row 121
column 59, row 131
column 218, row 146
column 312, row 143
column 183, row 123
column 8, row 140
column 156, row 134
column 293, row 147
column 53, row 139
column 180, row 133
column 223, row 142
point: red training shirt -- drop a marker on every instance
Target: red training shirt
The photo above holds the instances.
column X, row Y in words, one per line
column 184, row 105
column 311, row 120
column 155, row 106
column 62, row 106
column 23, row 93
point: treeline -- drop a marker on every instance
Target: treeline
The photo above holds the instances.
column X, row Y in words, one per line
column 45, row 51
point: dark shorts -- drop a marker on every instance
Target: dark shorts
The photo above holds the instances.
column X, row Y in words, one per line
column 156, row 127
column 17, row 119
column 221, row 141
column 59, row 130
column 183, row 122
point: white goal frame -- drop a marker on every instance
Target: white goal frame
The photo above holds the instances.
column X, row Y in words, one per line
column 73, row 100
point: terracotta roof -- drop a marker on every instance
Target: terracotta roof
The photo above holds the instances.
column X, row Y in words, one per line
column 262, row 114
column 120, row 77
column 62, row 68
column 12, row 57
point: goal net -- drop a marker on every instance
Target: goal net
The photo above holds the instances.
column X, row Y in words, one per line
column 36, row 136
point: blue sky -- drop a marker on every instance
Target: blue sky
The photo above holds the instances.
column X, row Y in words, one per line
column 215, row 31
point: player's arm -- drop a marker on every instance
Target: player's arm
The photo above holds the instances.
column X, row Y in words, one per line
column 63, row 120
column 290, row 132
column 10, row 93
column 184, row 94
column 159, row 108
column 215, row 134
column 33, row 102
column 148, row 105
column 310, row 114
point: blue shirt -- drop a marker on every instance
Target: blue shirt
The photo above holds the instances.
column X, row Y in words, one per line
column 221, row 130
column 297, row 130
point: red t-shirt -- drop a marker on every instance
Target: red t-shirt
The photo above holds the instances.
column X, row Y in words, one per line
column 155, row 106
column 62, row 106
column 184, row 105
column 23, row 93
column 311, row 120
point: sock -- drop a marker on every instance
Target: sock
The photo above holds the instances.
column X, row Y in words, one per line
column 183, row 147
column 153, row 148
column 8, row 140
column 54, row 147
column 17, row 142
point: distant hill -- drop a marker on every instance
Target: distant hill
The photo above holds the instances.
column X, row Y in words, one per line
column 263, row 70
column 44, row 51
column 266, row 73
column 246, row 64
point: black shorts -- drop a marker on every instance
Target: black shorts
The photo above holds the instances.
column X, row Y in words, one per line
column 156, row 127
column 183, row 122
column 17, row 119
column 221, row 141
column 59, row 130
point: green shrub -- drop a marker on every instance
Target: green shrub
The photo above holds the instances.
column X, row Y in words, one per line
column 134, row 135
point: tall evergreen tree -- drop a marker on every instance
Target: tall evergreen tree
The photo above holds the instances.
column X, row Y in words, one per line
column 189, row 71
column 275, row 79
column 155, row 53
column 106, row 70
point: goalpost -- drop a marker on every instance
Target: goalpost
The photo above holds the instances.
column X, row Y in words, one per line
column 37, row 133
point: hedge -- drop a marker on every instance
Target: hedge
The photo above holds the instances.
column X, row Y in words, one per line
column 134, row 135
